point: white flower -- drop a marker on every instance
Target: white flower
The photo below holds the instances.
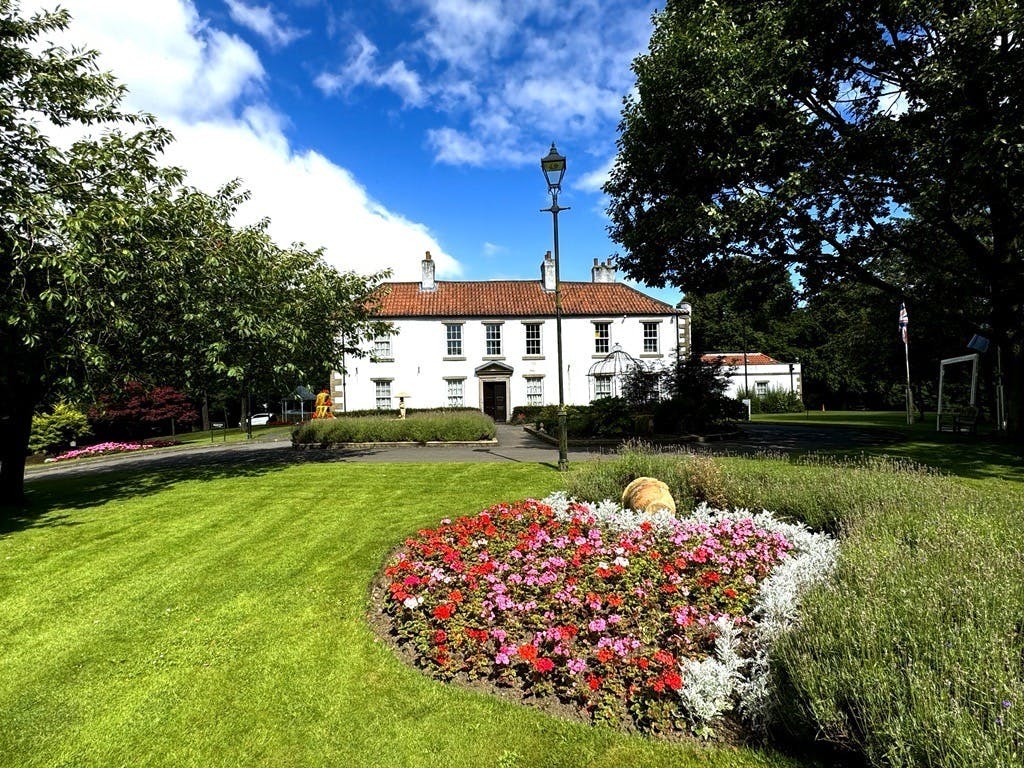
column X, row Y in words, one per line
column 412, row 602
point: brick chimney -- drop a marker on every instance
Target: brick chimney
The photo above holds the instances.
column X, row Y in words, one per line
column 427, row 283
column 602, row 272
column 547, row 272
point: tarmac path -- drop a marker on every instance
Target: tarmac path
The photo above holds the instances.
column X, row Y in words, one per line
column 513, row 444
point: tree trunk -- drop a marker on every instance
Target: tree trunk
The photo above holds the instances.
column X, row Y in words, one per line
column 1013, row 388
column 14, row 436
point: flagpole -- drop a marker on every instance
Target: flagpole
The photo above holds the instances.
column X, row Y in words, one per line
column 910, row 396
column 904, row 326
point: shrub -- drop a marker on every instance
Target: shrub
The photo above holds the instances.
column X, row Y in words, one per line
column 775, row 400
column 420, row 427
column 56, row 430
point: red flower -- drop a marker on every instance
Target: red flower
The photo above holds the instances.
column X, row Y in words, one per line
column 543, row 665
column 527, row 652
column 614, row 601
column 730, row 592
column 444, row 611
column 440, row 636
column 604, row 655
column 455, row 596
column 568, row 631
column 708, row 578
column 643, row 663
column 594, row 682
column 673, row 680
column 664, row 657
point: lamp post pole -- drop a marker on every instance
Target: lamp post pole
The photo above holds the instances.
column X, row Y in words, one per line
column 553, row 166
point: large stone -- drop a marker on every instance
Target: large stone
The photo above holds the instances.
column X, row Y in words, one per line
column 648, row 494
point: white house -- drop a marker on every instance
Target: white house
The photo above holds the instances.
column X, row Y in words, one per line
column 757, row 372
column 492, row 344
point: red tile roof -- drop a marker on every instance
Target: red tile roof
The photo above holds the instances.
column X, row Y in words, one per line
column 515, row 298
column 736, row 358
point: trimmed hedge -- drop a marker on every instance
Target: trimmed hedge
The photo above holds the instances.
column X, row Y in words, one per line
column 419, row 427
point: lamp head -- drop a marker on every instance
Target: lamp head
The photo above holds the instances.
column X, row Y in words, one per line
column 553, row 166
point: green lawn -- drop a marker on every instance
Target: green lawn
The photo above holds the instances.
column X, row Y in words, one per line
column 983, row 458
column 215, row 617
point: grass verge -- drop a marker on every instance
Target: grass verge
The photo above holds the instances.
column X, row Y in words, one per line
column 216, row 617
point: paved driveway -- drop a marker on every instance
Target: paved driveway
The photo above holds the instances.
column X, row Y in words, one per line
column 514, row 444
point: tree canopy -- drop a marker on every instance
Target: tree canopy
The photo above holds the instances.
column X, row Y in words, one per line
column 113, row 269
column 880, row 142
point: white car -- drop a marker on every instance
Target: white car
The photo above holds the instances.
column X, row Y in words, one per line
column 260, row 419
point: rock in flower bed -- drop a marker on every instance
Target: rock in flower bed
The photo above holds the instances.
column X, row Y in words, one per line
column 644, row 621
column 103, row 449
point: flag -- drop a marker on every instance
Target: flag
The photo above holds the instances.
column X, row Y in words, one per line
column 904, row 322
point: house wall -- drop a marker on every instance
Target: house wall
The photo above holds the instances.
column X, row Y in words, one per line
column 420, row 366
column 774, row 376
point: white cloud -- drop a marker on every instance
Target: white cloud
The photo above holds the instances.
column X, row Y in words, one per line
column 271, row 25
column 595, row 179
column 501, row 74
column 362, row 69
column 204, row 85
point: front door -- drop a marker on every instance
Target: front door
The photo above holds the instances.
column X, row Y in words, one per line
column 494, row 400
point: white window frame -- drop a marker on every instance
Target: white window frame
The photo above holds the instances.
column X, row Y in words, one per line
column 489, row 339
column 453, row 339
column 455, row 399
column 534, row 390
column 652, row 339
column 760, row 388
column 380, row 387
column 538, row 341
column 602, row 343
column 382, row 349
column 602, row 380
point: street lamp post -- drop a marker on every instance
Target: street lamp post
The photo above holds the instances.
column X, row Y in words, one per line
column 553, row 166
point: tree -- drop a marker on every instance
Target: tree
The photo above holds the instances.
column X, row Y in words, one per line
column 113, row 270
column 880, row 142
column 136, row 404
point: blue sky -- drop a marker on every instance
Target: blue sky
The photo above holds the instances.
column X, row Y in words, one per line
column 383, row 128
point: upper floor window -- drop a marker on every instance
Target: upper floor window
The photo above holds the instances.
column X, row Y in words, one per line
column 453, row 338
column 382, row 348
column 493, row 340
column 533, row 338
column 651, row 337
column 455, row 393
column 602, row 338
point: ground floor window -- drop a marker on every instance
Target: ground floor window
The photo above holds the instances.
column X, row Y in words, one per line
column 455, row 392
column 602, row 386
column 534, row 390
column 382, row 391
column 761, row 388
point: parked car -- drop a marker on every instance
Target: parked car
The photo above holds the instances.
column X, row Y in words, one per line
column 260, row 419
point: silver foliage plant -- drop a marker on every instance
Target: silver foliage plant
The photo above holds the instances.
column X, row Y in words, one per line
column 737, row 676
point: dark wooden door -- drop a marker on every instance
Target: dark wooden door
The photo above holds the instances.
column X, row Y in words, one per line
column 494, row 400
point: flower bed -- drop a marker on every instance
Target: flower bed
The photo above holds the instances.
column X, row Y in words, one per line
column 103, row 449
column 643, row 621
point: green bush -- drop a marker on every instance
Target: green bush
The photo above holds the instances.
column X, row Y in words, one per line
column 419, row 427
column 775, row 400
column 912, row 653
column 53, row 432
